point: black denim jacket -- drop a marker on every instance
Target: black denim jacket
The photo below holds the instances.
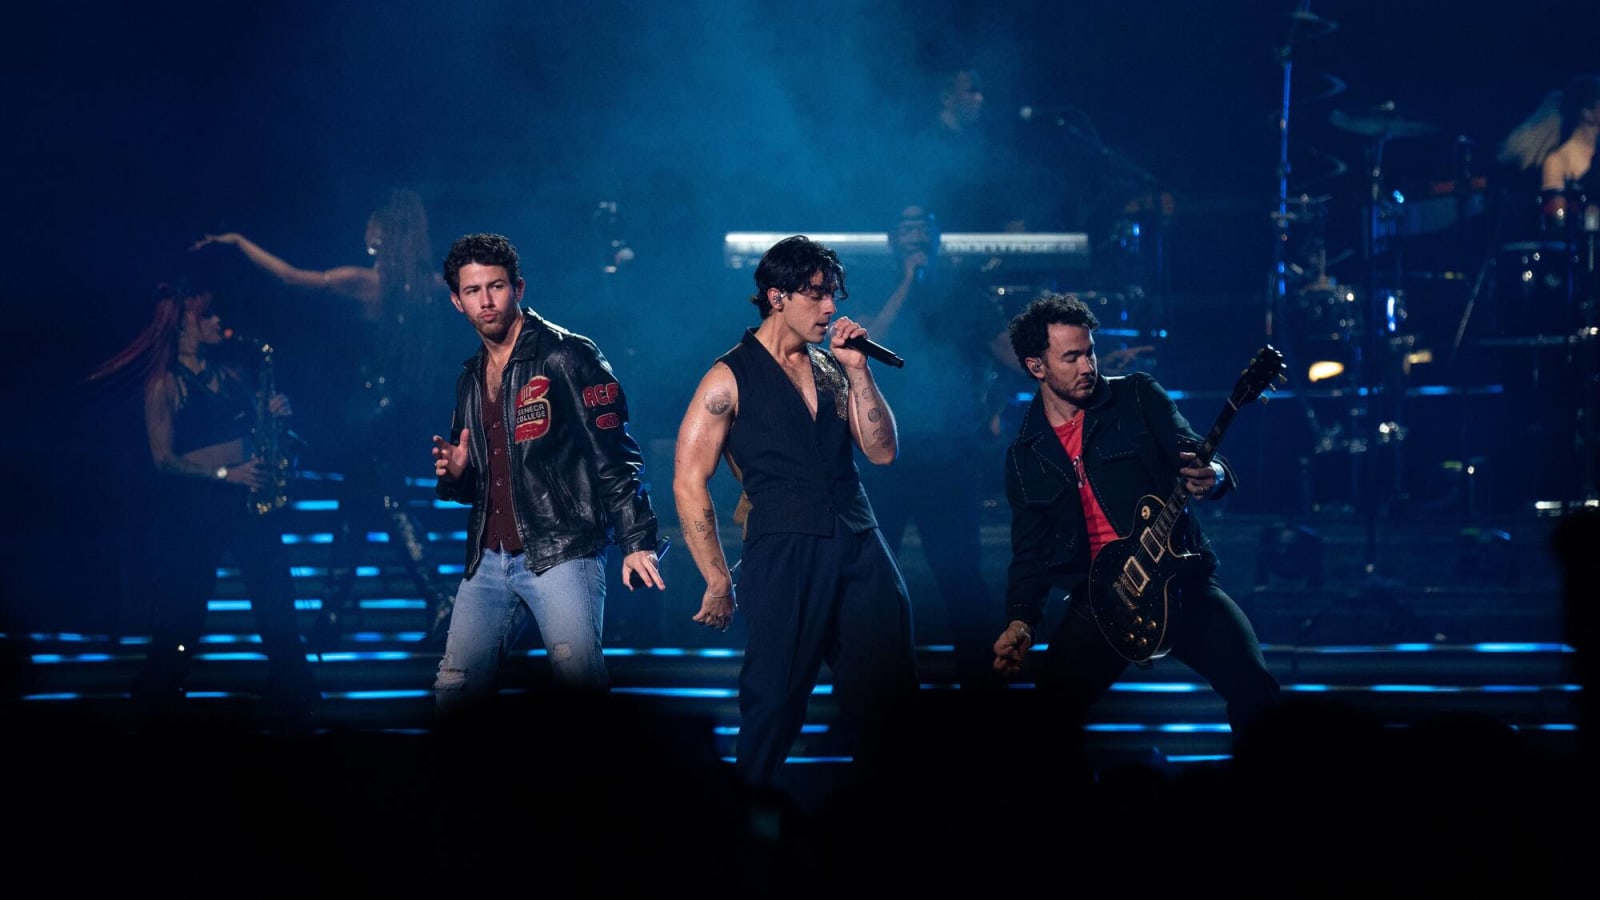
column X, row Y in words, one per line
column 1132, row 434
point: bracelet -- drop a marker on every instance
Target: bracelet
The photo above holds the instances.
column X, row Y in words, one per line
column 720, row 596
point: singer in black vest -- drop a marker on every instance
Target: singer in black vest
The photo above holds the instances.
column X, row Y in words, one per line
column 816, row 581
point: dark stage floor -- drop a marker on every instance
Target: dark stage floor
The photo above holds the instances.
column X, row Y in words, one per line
column 1423, row 657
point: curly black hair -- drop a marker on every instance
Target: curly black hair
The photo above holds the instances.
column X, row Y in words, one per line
column 1030, row 329
column 485, row 250
column 788, row 266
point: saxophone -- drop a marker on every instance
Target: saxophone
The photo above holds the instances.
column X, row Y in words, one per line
column 268, row 442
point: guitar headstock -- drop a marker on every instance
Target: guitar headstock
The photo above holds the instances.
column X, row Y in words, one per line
column 1264, row 373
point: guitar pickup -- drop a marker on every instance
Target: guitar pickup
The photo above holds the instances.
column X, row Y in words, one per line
column 1134, row 575
column 1151, row 546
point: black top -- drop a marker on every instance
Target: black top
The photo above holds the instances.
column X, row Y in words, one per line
column 205, row 416
column 798, row 473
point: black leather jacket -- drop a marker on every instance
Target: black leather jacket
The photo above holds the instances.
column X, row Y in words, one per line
column 576, row 471
column 1132, row 433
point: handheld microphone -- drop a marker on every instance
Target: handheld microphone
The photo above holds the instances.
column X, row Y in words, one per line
column 232, row 335
column 876, row 351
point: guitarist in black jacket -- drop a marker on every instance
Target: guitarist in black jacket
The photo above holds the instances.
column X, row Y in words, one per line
column 1085, row 479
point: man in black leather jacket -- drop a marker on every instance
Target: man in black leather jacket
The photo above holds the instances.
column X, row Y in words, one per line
column 541, row 451
column 1088, row 450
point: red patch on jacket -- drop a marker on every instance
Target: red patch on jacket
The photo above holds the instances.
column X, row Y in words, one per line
column 601, row 394
column 531, row 418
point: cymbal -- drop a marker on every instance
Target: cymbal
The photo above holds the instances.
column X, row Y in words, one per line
column 1382, row 120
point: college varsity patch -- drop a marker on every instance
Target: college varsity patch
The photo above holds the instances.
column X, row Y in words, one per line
column 532, row 416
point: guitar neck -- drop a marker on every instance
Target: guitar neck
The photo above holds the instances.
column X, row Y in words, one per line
column 1178, row 501
column 1208, row 448
column 1266, row 366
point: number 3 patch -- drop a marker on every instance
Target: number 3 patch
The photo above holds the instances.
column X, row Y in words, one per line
column 531, row 419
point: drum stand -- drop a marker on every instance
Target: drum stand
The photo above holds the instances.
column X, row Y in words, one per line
column 1280, row 324
column 1379, row 395
column 1579, row 223
column 1362, row 435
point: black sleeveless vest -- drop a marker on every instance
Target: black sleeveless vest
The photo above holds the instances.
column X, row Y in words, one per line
column 799, row 474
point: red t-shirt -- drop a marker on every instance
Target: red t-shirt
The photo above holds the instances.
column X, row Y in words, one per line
column 1095, row 522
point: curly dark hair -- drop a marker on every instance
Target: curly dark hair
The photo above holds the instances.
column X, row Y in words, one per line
column 1030, row 329
column 788, row 266
column 485, row 250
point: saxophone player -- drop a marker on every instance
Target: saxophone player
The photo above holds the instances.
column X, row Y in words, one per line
column 200, row 415
column 398, row 308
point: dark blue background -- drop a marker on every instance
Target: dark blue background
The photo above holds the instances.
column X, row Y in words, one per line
column 134, row 128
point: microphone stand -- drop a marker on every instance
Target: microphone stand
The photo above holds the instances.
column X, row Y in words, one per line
column 1088, row 136
column 1135, row 269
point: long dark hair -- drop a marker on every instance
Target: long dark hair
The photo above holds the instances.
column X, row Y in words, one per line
column 408, row 289
column 149, row 354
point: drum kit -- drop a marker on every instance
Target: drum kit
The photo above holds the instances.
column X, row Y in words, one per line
column 1421, row 286
column 1367, row 320
column 1521, row 312
column 1538, row 291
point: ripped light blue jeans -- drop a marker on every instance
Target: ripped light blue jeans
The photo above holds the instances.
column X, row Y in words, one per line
column 493, row 607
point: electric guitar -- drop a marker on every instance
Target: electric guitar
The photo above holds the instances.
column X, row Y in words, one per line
column 1134, row 583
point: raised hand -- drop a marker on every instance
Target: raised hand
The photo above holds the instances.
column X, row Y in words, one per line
column 450, row 460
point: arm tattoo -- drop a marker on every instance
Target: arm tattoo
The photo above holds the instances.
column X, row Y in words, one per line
column 869, row 411
column 718, row 403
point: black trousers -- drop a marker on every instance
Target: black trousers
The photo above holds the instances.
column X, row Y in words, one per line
column 202, row 526
column 1211, row 635
column 809, row 600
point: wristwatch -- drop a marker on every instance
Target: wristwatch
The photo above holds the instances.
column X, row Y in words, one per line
column 222, row 473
